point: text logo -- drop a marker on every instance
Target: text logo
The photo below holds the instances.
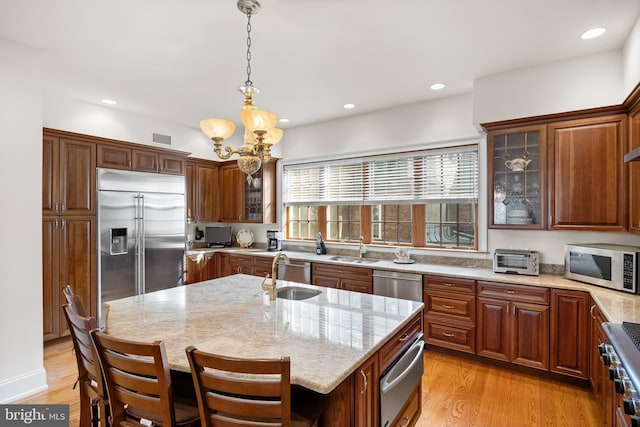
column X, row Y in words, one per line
column 34, row 415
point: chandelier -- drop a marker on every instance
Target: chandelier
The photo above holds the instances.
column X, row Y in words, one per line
column 260, row 131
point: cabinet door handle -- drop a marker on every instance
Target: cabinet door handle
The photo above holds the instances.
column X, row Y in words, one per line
column 64, row 207
column 448, row 334
column 56, row 207
column 63, row 222
column 366, row 384
column 591, row 311
column 404, row 421
column 447, row 306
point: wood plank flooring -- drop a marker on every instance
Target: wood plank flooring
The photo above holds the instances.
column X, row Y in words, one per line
column 457, row 392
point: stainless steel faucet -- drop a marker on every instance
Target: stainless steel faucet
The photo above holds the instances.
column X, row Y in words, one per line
column 274, row 276
column 362, row 249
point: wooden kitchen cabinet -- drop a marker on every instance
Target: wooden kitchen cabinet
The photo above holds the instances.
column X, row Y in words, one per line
column 357, row 279
column 68, row 258
column 570, row 332
column 587, row 175
column 366, row 393
column 241, row 264
column 450, row 313
column 601, row 385
column 68, row 176
column 517, row 163
column 200, row 267
column 203, row 191
column 513, row 323
column 634, row 170
column 125, row 156
column 241, row 201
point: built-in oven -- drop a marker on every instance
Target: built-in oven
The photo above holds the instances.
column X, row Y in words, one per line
column 397, row 383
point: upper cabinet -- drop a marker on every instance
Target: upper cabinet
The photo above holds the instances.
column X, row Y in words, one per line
column 587, row 173
column 559, row 172
column 248, row 201
column 202, row 178
column 129, row 157
column 517, row 170
column 68, row 176
column 634, row 167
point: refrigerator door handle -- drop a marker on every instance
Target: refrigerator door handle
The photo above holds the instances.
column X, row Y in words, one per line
column 137, row 234
column 142, row 247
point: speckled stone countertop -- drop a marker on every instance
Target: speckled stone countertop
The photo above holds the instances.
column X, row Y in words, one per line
column 617, row 306
column 327, row 337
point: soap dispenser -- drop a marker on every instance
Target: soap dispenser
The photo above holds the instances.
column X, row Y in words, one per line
column 321, row 249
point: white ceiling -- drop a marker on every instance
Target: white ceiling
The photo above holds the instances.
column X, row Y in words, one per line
column 182, row 60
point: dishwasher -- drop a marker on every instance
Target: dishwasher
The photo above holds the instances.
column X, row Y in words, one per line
column 295, row 271
column 397, row 285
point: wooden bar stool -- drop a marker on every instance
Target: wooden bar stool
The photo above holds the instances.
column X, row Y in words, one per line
column 139, row 385
column 248, row 392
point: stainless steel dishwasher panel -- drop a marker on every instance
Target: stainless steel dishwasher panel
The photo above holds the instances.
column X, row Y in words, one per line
column 295, row 271
column 398, row 285
column 400, row 380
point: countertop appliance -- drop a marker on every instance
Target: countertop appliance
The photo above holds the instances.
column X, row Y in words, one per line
column 622, row 355
column 274, row 243
column 218, row 236
column 141, row 233
column 516, row 261
column 607, row 265
column 397, row 383
column 397, row 285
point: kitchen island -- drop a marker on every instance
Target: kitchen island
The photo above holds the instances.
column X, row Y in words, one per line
column 328, row 337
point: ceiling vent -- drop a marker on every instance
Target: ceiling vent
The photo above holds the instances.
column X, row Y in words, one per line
column 162, row 139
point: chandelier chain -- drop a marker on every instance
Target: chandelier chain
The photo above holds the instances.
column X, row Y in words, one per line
column 249, row 83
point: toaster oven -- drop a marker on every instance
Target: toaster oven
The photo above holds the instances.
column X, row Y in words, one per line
column 516, row 262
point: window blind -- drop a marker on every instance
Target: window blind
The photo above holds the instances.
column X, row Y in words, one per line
column 438, row 175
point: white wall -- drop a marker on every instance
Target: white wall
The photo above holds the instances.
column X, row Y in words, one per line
column 631, row 59
column 21, row 368
column 575, row 84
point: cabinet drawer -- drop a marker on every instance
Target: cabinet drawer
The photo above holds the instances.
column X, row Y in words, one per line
column 262, row 266
column 241, row 259
column 449, row 334
column 511, row 292
column 400, row 341
column 463, row 286
column 455, row 306
column 342, row 271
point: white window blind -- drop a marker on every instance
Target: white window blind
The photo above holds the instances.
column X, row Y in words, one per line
column 438, row 175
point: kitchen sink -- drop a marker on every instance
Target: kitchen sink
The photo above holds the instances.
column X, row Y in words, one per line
column 297, row 293
column 353, row 259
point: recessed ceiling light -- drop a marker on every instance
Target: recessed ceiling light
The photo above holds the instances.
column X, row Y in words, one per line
column 109, row 102
column 592, row 33
column 284, row 120
column 437, row 86
column 349, row 106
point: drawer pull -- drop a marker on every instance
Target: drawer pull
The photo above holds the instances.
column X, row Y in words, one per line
column 448, row 334
column 403, row 422
column 448, row 307
column 404, row 337
column 447, row 284
column 509, row 291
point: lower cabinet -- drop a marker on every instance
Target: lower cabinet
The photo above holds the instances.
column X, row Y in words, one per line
column 355, row 279
column 450, row 313
column 513, row 324
column 366, row 393
column 240, row 264
column 570, row 332
column 200, row 267
column 601, row 385
column 68, row 258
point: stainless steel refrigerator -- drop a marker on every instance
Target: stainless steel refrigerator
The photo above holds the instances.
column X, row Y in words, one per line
column 141, row 234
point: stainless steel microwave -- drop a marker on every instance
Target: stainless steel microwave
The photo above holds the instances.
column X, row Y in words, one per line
column 516, row 262
column 607, row 265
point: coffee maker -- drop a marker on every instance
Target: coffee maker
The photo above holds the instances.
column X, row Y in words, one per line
column 273, row 241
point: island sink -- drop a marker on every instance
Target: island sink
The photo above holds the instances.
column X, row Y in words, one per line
column 297, row 293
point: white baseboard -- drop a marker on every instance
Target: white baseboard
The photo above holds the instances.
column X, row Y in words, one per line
column 23, row 386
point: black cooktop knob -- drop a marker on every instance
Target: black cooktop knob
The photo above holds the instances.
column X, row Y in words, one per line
column 635, row 421
column 619, row 385
column 606, row 359
column 629, row 407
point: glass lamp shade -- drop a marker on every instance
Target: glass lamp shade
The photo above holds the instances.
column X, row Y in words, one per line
column 217, row 128
column 273, row 136
column 258, row 119
column 249, row 164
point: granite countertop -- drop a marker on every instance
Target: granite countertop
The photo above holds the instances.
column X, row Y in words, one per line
column 327, row 337
column 617, row 306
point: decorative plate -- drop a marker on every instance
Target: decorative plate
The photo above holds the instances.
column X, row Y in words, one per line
column 404, row 261
column 244, row 238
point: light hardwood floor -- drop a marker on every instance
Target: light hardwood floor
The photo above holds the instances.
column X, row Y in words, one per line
column 457, row 392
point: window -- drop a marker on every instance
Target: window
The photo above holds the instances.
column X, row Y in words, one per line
column 423, row 198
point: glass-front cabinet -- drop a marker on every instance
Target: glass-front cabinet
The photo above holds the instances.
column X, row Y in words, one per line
column 517, row 171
